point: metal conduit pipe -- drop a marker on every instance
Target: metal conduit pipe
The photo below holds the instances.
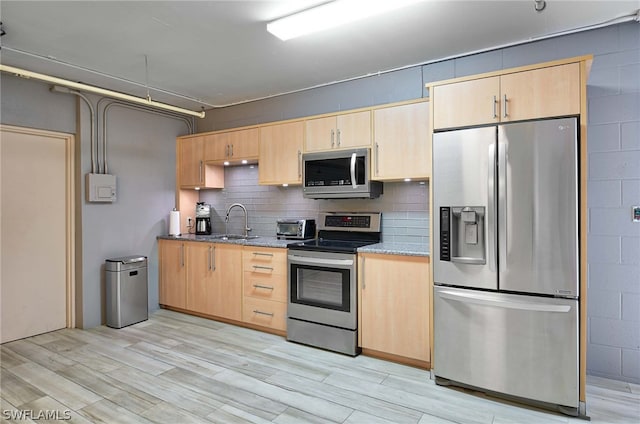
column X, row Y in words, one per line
column 94, row 138
column 188, row 121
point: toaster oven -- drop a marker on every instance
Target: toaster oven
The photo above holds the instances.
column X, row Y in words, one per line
column 296, row 229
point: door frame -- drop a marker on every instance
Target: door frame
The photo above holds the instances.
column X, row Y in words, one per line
column 70, row 206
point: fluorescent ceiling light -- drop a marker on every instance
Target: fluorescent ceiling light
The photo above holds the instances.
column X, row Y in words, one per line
column 97, row 90
column 330, row 15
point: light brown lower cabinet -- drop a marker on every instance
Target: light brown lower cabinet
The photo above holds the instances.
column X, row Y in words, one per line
column 265, row 313
column 173, row 273
column 265, row 287
column 394, row 305
column 214, row 279
column 202, row 277
column 249, row 284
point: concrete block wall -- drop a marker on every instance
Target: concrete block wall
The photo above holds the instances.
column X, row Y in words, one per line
column 613, row 188
column 614, row 163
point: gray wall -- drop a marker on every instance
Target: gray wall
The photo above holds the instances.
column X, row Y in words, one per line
column 614, row 163
column 141, row 153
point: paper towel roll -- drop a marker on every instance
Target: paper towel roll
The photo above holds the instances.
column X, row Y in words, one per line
column 174, row 223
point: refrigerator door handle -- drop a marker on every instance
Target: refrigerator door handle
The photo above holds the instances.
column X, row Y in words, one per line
column 502, row 205
column 479, row 299
column 491, row 213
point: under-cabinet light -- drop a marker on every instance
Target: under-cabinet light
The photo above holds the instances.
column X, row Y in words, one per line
column 285, row 185
column 226, row 163
column 330, row 15
column 244, row 161
column 97, row 90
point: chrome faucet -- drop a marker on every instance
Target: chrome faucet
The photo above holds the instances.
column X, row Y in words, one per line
column 246, row 222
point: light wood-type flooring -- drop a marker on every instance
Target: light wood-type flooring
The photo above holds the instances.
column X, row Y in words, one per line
column 176, row 368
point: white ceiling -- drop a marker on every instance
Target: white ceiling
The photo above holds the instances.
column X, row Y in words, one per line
column 214, row 53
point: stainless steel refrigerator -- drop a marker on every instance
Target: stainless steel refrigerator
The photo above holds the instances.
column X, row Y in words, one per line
column 505, row 260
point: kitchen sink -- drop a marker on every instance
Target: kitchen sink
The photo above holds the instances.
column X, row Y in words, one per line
column 234, row 237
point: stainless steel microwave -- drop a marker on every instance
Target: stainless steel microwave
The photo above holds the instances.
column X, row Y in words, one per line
column 339, row 174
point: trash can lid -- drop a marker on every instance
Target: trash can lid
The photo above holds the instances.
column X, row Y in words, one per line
column 128, row 259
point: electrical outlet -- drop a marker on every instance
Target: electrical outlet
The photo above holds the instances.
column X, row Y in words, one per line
column 189, row 219
column 635, row 213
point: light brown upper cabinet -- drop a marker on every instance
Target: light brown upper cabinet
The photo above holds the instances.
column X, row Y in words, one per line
column 532, row 94
column 193, row 172
column 280, row 155
column 402, row 146
column 232, row 146
column 216, row 147
column 338, row 132
column 190, row 151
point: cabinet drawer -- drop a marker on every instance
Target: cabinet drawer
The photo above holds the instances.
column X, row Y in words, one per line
column 265, row 260
column 265, row 313
column 265, row 286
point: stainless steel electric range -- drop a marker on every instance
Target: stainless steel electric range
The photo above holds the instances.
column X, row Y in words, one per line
column 322, row 305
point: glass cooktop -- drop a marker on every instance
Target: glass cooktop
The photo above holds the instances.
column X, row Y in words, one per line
column 327, row 245
column 343, row 232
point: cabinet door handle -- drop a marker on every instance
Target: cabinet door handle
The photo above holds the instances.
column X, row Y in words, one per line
column 506, row 112
column 299, row 164
column 258, row 286
column 255, row 311
column 263, row 254
column 231, row 150
column 377, row 159
column 182, row 255
column 257, row 267
column 212, row 256
column 495, row 107
column 210, row 264
column 338, row 137
column 200, row 172
column 226, row 151
column 332, row 137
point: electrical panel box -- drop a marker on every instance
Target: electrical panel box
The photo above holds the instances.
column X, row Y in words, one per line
column 100, row 188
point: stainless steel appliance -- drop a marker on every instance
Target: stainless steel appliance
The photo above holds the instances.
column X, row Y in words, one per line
column 339, row 174
column 126, row 290
column 300, row 229
column 203, row 218
column 506, row 260
column 322, row 305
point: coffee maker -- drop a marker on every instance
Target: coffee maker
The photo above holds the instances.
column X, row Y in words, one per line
column 203, row 218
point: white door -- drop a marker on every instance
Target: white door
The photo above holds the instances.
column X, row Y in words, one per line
column 35, row 221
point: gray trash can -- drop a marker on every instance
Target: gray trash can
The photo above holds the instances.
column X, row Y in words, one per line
column 127, row 299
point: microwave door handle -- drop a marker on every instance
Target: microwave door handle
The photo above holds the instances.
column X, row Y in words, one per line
column 354, row 183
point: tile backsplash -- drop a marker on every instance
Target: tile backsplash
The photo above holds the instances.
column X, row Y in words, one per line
column 404, row 206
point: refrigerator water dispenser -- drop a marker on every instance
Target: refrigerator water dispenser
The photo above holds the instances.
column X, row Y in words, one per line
column 462, row 235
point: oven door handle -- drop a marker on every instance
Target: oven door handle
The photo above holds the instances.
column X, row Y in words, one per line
column 303, row 260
